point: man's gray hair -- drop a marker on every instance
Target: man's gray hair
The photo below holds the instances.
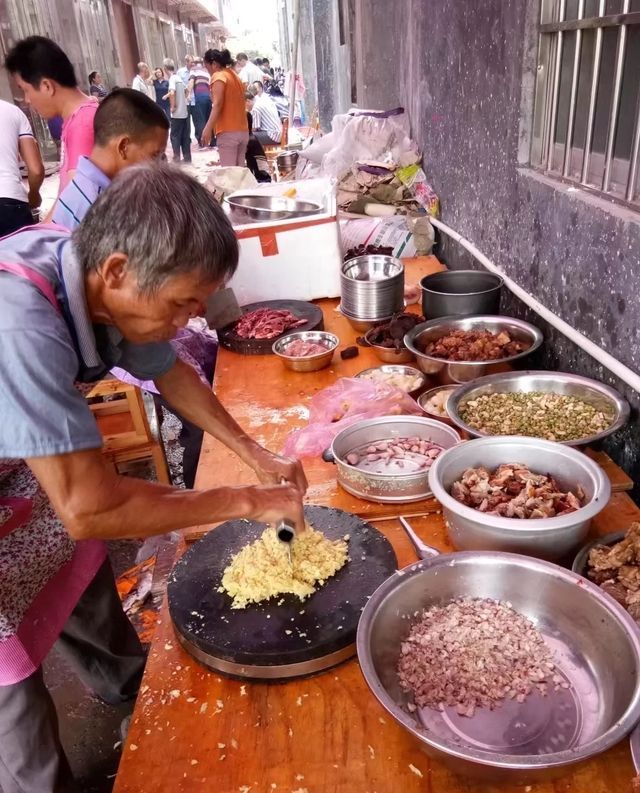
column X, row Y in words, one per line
column 169, row 65
column 142, row 65
column 164, row 221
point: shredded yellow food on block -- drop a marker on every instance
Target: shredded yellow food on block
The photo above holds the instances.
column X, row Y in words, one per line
column 261, row 570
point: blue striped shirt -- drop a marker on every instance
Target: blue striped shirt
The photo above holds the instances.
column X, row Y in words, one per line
column 77, row 197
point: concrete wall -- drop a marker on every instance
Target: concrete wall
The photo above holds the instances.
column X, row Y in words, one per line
column 465, row 72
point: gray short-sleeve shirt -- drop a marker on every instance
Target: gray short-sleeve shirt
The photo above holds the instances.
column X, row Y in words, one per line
column 44, row 352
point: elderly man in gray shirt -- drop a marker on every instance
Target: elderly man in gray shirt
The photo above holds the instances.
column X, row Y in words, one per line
column 71, row 308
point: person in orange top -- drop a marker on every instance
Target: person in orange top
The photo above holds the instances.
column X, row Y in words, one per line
column 228, row 116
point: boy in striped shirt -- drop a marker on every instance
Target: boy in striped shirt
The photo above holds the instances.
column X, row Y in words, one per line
column 129, row 128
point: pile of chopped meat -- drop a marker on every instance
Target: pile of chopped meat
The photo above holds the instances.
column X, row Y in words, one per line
column 513, row 491
column 474, row 653
column 474, row 345
column 616, row 569
column 412, row 454
column 267, row 323
column 391, row 334
column 367, row 250
column 304, row 349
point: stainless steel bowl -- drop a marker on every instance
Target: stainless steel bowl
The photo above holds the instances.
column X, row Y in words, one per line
column 545, row 538
column 287, row 160
column 260, row 208
column 372, row 287
column 396, row 369
column 460, row 293
column 582, row 557
column 464, row 371
column 308, row 363
column 596, row 646
column 423, row 400
column 389, row 354
column 594, row 393
column 394, row 487
column 363, row 325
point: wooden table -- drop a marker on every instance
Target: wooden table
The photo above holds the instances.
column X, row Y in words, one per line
column 194, row 730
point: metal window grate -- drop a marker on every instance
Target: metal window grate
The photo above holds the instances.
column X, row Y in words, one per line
column 587, row 101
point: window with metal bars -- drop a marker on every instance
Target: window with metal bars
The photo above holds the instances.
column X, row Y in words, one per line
column 587, row 101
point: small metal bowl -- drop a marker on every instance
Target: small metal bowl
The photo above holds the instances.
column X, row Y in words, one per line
column 597, row 394
column 545, row 538
column 309, row 363
column 364, row 325
column 464, row 371
column 388, row 354
column 423, row 399
column 393, row 369
column 580, row 563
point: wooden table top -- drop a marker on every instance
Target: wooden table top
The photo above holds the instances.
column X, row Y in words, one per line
column 195, row 730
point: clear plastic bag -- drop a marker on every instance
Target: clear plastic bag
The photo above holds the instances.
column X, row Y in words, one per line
column 344, row 403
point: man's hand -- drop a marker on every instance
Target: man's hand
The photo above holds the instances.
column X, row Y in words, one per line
column 279, row 502
column 35, row 199
column 273, row 469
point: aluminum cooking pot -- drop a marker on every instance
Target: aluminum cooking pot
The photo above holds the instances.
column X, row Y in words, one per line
column 545, row 538
column 388, row 486
column 596, row 648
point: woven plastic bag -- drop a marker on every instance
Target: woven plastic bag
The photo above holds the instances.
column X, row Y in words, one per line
column 344, row 403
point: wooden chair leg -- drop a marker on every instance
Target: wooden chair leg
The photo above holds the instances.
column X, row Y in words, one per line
column 160, row 462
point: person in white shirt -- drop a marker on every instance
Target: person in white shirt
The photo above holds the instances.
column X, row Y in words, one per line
column 180, row 121
column 267, row 126
column 17, row 142
column 184, row 73
column 249, row 72
column 141, row 81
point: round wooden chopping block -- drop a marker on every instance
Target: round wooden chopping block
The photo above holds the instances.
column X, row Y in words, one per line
column 283, row 637
column 307, row 311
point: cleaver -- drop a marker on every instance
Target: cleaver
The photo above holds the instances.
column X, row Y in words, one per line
column 222, row 309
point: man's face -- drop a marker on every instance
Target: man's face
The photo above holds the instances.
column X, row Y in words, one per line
column 143, row 318
column 151, row 147
column 145, row 73
column 188, row 61
column 43, row 99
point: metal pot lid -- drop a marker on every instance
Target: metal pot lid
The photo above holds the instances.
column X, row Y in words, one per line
column 271, row 640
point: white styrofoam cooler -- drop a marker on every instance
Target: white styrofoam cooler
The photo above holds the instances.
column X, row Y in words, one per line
column 295, row 259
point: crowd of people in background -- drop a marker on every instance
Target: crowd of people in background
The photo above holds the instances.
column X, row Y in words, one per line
column 236, row 104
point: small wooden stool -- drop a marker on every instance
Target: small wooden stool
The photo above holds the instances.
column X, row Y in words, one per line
column 124, row 426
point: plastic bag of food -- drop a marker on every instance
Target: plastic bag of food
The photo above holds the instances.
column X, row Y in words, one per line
column 344, row 403
column 226, row 180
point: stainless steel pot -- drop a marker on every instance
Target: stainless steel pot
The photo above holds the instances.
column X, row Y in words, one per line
column 287, row 160
column 464, row 371
column 597, row 394
column 460, row 293
column 596, row 646
column 545, row 538
column 395, row 487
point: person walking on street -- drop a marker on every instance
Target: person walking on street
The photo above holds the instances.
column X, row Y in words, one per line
column 45, row 75
column 228, row 115
column 249, row 72
column 199, row 90
column 184, row 73
column 180, row 122
column 141, row 80
column 267, row 126
column 17, row 143
column 161, row 87
column 97, row 88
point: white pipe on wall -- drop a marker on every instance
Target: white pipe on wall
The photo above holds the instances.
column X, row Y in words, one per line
column 617, row 368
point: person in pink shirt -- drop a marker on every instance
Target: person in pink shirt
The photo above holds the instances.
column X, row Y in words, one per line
column 46, row 76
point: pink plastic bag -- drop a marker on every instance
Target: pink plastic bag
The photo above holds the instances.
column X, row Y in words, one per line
column 347, row 401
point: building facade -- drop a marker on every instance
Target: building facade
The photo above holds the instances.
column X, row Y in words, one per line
column 110, row 36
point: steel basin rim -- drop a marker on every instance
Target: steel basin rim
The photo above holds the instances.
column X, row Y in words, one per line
column 516, row 527
column 617, row 401
column 615, row 733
